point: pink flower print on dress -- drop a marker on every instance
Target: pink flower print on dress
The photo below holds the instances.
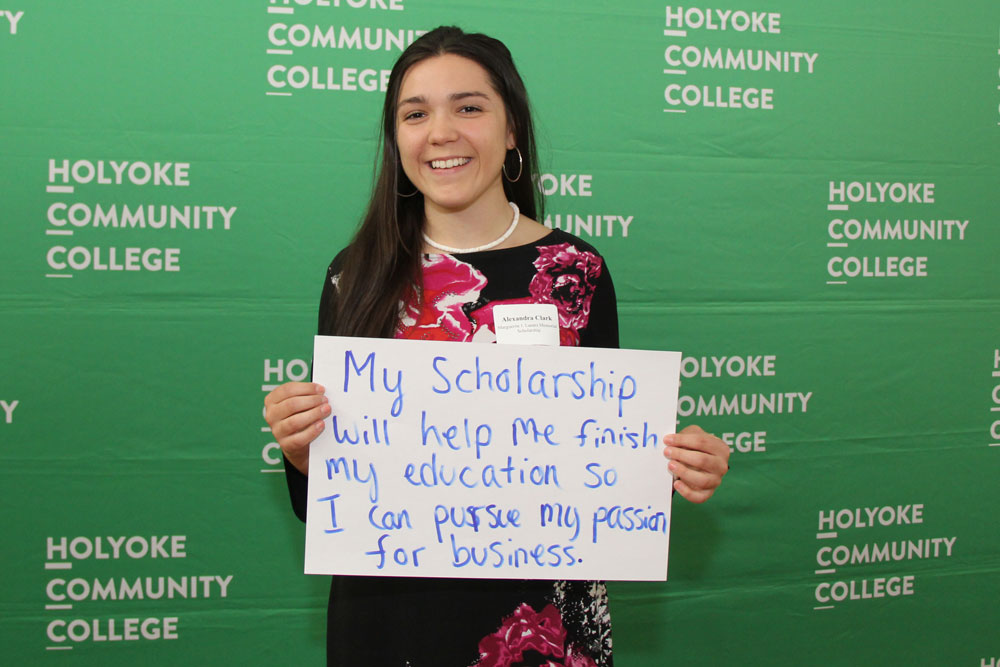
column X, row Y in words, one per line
column 527, row 630
column 438, row 315
column 567, row 278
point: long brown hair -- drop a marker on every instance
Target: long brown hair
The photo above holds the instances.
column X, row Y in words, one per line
column 381, row 266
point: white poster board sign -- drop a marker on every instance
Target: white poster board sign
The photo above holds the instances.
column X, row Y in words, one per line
column 491, row 461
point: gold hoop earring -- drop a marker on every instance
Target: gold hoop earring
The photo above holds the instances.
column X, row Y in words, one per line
column 520, row 162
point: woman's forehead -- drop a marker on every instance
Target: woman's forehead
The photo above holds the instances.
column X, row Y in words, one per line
column 444, row 76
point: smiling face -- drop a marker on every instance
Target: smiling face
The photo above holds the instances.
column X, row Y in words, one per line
column 452, row 134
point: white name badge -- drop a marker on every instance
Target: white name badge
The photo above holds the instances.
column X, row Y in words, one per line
column 527, row 324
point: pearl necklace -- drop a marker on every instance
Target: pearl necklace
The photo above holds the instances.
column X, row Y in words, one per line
column 492, row 244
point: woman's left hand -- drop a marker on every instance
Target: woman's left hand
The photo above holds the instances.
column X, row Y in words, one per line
column 698, row 461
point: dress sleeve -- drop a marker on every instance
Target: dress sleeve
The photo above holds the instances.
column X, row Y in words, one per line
column 602, row 325
column 298, row 483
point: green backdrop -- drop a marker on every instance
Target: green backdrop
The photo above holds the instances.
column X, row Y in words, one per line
column 801, row 198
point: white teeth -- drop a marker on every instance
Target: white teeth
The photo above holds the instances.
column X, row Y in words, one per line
column 448, row 164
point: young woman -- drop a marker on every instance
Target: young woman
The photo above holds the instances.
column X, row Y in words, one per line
column 450, row 233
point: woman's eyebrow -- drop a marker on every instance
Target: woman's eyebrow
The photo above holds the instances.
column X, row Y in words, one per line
column 420, row 99
column 471, row 93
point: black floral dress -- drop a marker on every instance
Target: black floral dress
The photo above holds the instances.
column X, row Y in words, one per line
column 489, row 623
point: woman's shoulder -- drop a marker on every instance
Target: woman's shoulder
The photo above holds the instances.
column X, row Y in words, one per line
column 558, row 237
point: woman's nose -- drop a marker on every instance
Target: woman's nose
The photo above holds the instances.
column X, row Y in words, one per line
column 442, row 129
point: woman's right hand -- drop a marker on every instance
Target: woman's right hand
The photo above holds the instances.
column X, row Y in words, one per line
column 295, row 411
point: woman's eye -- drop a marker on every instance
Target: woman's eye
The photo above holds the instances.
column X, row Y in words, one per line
column 413, row 115
column 470, row 109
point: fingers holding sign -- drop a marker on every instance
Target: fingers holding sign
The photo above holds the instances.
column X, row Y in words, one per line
column 698, row 461
column 295, row 411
